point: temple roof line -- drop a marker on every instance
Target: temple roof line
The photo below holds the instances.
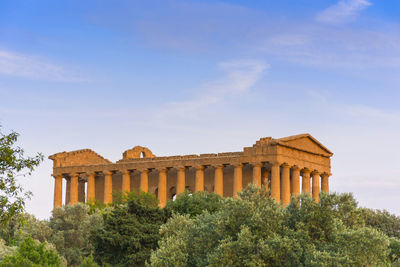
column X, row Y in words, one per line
column 299, row 136
column 301, row 142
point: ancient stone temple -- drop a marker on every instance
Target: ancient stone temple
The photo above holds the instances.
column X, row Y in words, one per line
column 277, row 163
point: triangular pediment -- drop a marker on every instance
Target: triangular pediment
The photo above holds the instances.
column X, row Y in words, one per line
column 307, row 143
column 78, row 158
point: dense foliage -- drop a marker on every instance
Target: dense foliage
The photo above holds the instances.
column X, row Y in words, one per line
column 194, row 204
column 13, row 163
column 70, row 231
column 32, row 253
column 254, row 230
column 130, row 231
column 203, row 229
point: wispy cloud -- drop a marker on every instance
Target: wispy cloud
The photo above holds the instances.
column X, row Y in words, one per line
column 239, row 77
column 342, row 12
column 32, row 67
column 255, row 33
column 321, row 46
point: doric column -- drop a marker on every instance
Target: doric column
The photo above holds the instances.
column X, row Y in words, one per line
column 305, row 181
column 285, row 185
column 295, row 182
column 91, row 188
column 68, row 191
column 180, row 180
column 162, row 187
column 199, row 183
column 325, row 182
column 108, row 187
column 265, row 178
column 57, row 191
column 81, row 191
column 275, row 182
column 315, row 186
column 257, row 174
column 144, row 180
column 73, row 198
column 126, row 181
column 237, row 178
column 219, row 180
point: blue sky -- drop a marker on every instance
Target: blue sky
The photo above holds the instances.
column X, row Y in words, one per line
column 206, row 76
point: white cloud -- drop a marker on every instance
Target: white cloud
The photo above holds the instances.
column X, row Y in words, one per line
column 342, row 12
column 240, row 76
column 256, row 33
column 20, row 65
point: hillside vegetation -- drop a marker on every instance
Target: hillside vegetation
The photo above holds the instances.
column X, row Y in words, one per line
column 203, row 229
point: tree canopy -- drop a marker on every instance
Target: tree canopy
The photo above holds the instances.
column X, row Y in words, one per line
column 130, row 231
column 253, row 230
column 13, row 164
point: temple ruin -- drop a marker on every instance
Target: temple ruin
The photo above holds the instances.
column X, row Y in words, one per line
column 277, row 163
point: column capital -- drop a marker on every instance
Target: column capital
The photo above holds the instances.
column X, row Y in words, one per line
column 74, row 174
column 57, row 175
column 126, row 172
column 285, row 165
column 257, row 164
column 219, row 166
column 326, row 175
column 108, row 172
column 199, row 167
column 143, row 170
column 295, row 168
column 162, row 169
column 237, row 165
column 315, row 172
column 275, row 163
column 180, row 168
column 305, row 170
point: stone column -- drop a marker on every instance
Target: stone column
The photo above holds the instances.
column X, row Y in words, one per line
column 91, row 188
column 57, row 191
column 325, row 182
column 315, row 186
column 199, row 183
column 144, row 180
column 73, row 198
column 306, row 181
column 285, row 185
column 162, row 187
column 68, row 191
column 265, row 179
column 126, row 181
column 257, row 174
column 81, row 191
column 108, row 187
column 295, row 182
column 180, row 180
column 237, row 179
column 275, row 182
column 219, row 180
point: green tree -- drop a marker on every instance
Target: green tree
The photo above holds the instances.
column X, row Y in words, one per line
column 130, row 232
column 88, row 262
column 195, row 203
column 33, row 254
column 24, row 225
column 253, row 230
column 71, row 226
column 13, row 164
column 382, row 221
